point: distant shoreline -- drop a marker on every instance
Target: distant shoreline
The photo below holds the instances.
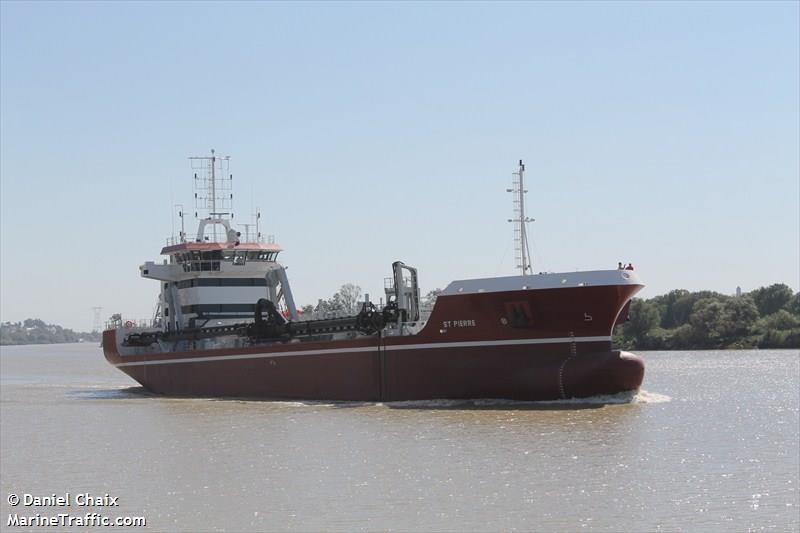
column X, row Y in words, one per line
column 48, row 343
column 764, row 318
column 37, row 331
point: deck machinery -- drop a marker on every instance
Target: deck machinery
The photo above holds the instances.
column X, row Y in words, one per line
column 270, row 324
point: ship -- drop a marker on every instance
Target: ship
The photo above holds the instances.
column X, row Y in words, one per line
column 226, row 324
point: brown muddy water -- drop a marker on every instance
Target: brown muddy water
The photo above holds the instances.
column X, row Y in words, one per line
column 710, row 444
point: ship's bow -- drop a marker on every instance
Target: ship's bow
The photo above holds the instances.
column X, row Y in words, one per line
column 594, row 374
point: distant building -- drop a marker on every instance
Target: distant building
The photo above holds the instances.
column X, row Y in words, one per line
column 738, row 291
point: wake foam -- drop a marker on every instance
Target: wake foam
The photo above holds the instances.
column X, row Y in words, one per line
column 635, row 396
column 98, row 392
column 644, row 396
column 628, row 397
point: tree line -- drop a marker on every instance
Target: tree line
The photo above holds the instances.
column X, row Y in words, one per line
column 768, row 317
column 348, row 300
column 35, row 331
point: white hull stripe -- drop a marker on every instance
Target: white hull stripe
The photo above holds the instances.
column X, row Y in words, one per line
column 428, row 346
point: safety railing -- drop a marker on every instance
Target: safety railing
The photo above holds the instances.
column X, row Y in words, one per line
column 123, row 321
column 243, row 239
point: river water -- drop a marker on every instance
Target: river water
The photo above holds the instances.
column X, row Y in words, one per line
column 710, row 444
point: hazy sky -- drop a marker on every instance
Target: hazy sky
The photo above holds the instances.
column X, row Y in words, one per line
column 665, row 134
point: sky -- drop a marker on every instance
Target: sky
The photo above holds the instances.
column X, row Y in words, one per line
column 664, row 134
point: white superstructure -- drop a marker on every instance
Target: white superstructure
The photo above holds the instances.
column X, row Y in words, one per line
column 217, row 277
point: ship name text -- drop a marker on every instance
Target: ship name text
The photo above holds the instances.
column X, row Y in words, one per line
column 470, row 323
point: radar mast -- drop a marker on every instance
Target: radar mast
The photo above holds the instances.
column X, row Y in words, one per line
column 213, row 190
column 520, row 221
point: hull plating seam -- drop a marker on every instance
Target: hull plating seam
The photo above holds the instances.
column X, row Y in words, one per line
column 427, row 346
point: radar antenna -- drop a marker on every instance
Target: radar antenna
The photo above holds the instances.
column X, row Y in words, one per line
column 213, row 188
column 520, row 221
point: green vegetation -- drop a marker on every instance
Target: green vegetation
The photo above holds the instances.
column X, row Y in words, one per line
column 768, row 317
column 35, row 331
column 344, row 302
column 348, row 302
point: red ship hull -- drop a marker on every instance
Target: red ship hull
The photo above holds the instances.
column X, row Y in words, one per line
column 541, row 344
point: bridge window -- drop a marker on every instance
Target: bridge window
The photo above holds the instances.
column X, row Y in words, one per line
column 206, row 309
column 222, row 282
column 267, row 256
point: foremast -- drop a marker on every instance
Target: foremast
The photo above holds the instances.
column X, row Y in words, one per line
column 520, row 221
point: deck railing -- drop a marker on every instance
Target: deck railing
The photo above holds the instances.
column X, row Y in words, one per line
column 126, row 322
column 244, row 239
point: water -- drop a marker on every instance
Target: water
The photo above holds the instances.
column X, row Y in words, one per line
column 712, row 445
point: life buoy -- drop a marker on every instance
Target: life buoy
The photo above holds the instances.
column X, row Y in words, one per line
column 128, row 324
